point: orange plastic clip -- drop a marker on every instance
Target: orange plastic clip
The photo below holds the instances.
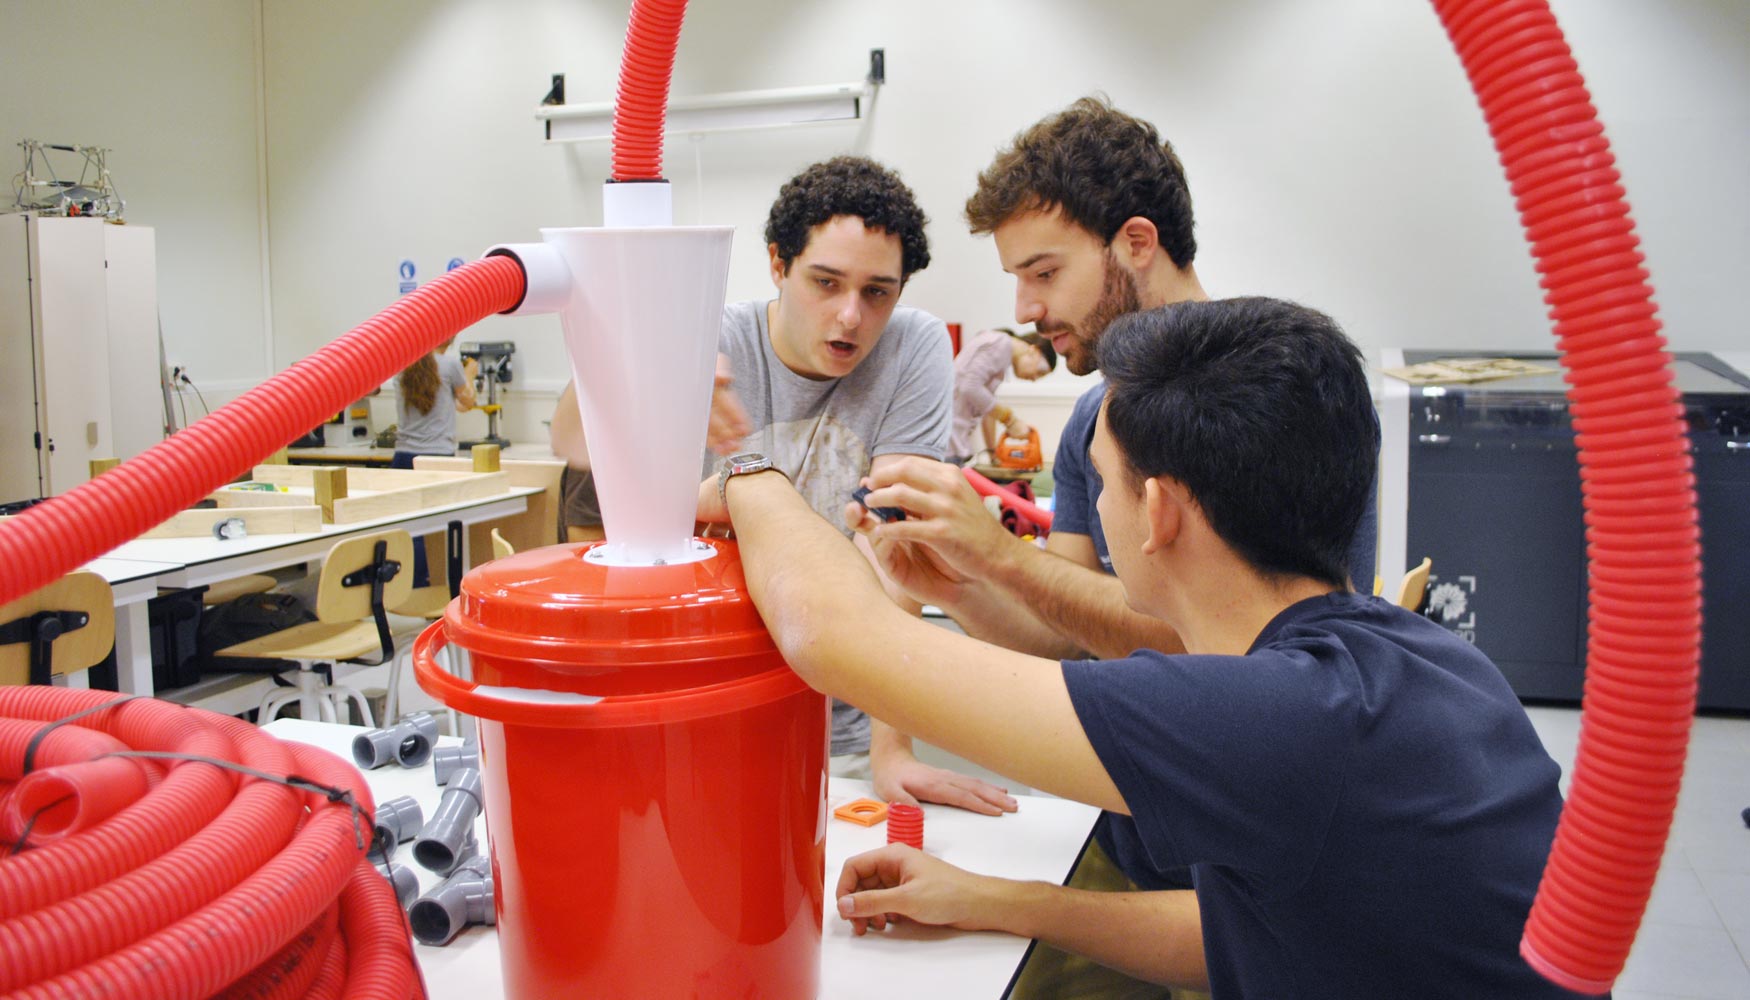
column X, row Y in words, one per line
column 863, row 812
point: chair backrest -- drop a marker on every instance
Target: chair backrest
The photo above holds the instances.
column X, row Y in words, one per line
column 501, row 547
column 1415, row 585
column 338, row 602
column 81, row 592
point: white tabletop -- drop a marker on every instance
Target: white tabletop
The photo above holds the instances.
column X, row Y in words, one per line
column 205, row 559
column 1041, row 841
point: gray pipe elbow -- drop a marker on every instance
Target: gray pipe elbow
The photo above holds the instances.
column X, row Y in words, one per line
column 462, row 899
column 440, row 843
column 408, row 741
column 446, row 761
column 398, row 820
column 406, row 885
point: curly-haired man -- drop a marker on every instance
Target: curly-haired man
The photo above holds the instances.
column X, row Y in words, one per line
column 833, row 380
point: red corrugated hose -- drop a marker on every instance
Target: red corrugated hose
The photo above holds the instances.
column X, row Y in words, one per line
column 254, row 902
column 984, row 486
column 1644, row 634
column 641, row 104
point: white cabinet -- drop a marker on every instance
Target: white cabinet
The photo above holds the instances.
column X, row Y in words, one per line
column 79, row 372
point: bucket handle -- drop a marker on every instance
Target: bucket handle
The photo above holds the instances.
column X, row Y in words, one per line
column 569, row 709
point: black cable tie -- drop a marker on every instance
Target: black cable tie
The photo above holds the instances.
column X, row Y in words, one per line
column 36, row 741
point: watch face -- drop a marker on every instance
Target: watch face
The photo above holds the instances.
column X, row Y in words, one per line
column 746, row 458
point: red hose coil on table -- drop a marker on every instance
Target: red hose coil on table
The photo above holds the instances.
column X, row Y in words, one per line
column 253, row 902
column 641, row 104
column 1644, row 633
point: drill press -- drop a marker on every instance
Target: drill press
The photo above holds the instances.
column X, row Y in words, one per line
column 493, row 358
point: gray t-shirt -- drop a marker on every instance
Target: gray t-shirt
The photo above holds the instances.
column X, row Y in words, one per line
column 825, row 433
column 432, row 432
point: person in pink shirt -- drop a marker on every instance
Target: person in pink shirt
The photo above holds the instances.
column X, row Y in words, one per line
column 979, row 369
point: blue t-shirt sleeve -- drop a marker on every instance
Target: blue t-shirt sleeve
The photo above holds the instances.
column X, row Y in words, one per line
column 1074, row 486
column 1224, row 760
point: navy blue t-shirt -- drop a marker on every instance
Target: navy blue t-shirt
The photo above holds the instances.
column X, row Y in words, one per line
column 1365, row 807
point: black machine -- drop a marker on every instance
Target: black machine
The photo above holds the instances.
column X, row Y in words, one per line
column 493, row 356
column 1494, row 500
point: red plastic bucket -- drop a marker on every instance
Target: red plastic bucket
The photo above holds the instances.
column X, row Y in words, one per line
column 654, row 777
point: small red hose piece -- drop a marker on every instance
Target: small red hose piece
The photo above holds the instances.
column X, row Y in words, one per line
column 641, row 103
column 1020, row 505
column 1644, row 649
column 213, row 913
column 54, row 537
column 905, row 824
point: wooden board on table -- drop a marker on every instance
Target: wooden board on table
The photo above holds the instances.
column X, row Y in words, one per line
column 537, row 526
column 228, row 498
column 366, row 502
column 357, row 479
column 305, row 519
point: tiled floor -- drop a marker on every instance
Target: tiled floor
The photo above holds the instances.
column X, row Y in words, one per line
column 1694, row 942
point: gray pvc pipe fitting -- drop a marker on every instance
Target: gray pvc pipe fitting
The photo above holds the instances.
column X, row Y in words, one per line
column 408, row 741
column 446, row 761
column 462, row 899
column 406, row 885
column 440, row 843
column 398, row 820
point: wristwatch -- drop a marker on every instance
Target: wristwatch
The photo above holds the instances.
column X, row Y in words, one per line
column 740, row 465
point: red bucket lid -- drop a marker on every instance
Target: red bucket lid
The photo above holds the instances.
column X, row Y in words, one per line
column 552, row 607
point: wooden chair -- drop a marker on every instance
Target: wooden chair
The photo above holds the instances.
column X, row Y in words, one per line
column 362, row 578
column 429, row 603
column 1414, row 590
column 500, row 547
column 63, row 628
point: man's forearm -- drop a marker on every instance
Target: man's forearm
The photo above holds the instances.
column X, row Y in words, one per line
column 985, row 611
column 1086, row 608
column 1153, row 936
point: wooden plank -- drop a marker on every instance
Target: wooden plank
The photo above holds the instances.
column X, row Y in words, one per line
column 385, row 503
column 256, row 520
column 330, row 487
column 101, row 465
column 228, row 499
column 277, row 458
column 537, row 526
column 285, row 475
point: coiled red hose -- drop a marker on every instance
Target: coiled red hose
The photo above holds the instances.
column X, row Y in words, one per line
column 212, row 912
column 54, row 537
column 641, row 103
column 1644, row 650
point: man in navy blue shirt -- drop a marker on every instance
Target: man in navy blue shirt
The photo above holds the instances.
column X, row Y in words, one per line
column 1362, row 802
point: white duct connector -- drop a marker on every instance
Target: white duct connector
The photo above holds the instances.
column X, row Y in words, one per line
column 547, row 281
column 637, row 204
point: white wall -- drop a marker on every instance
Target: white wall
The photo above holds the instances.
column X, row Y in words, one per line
column 1334, row 150
column 171, row 89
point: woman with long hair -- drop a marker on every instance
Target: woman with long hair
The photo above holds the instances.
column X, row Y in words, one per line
column 432, row 391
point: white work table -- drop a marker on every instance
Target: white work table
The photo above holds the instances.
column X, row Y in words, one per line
column 1040, row 842
column 204, row 560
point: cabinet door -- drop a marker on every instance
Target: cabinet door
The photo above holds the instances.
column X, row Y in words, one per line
column 20, row 472
column 72, row 332
column 136, row 398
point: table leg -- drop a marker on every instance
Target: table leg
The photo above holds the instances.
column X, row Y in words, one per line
column 133, row 649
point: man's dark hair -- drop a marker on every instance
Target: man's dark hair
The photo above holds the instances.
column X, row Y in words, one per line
column 848, row 185
column 1261, row 409
column 1042, row 344
column 1098, row 165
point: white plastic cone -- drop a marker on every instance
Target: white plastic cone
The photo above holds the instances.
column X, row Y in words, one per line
column 641, row 325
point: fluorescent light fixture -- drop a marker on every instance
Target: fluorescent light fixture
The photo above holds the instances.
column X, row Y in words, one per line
column 718, row 112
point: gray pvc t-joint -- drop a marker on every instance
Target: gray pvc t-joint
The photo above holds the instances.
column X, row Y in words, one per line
column 398, row 820
column 440, row 843
column 446, row 761
column 462, row 899
column 406, row 885
column 408, row 741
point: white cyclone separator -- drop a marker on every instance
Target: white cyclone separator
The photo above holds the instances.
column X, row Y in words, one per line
column 641, row 308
